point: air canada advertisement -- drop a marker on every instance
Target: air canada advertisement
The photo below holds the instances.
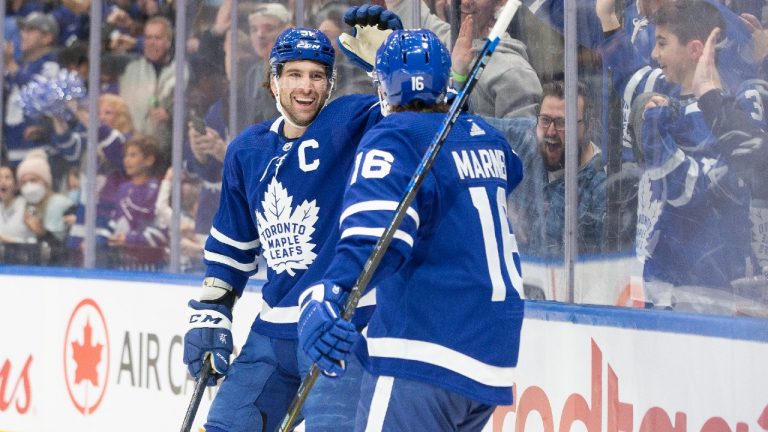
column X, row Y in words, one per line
column 94, row 354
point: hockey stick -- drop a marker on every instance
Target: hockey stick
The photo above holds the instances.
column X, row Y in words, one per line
column 505, row 17
column 197, row 395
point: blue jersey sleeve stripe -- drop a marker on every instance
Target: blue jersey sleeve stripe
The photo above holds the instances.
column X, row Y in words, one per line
column 653, row 79
column 113, row 136
column 442, row 356
column 229, row 262
column 376, row 232
column 690, row 186
column 670, row 165
column 377, row 205
column 280, row 314
column 244, row 246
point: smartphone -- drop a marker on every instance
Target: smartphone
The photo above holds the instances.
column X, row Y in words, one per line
column 197, row 123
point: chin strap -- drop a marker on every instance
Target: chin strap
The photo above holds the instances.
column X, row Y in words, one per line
column 279, row 106
column 384, row 106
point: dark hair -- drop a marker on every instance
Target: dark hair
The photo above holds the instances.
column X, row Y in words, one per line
column 557, row 89
column 148, row 146
column 689, row 19
column 417, row 105
column 74, row 55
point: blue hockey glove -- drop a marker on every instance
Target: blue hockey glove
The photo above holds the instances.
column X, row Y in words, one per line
column 209, row 335
column 324, row 336
column 371, row 24
column 372, row 15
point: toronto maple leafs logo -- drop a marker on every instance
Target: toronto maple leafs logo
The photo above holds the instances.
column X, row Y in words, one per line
column 285, row 232
column 648, row 212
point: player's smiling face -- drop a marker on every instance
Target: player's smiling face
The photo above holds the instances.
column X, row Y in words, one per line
column 303, row 90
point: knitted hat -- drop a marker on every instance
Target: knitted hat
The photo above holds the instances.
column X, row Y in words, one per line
column 35, row 162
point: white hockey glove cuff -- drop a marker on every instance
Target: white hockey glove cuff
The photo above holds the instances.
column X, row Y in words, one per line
column 361, row 48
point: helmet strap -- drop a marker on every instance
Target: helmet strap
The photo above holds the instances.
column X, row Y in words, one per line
column 384, row 106
column 280, row 108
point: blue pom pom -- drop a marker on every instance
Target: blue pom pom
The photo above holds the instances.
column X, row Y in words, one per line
column 52, row 96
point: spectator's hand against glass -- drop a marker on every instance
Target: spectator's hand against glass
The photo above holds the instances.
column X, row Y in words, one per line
column 705, row 76
column 606, row 13
column 759, row 36
column 463, row 53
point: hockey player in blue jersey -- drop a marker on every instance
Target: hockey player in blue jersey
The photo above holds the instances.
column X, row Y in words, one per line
column 441, row 347
column 281, row 199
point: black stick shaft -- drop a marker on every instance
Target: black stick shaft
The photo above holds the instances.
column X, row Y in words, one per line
column 197, row 396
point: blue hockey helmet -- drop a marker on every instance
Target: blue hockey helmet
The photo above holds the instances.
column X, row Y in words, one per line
column 301, row 43
column 413, row 65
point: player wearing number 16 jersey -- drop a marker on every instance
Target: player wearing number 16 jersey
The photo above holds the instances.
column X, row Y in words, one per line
column 441, row 348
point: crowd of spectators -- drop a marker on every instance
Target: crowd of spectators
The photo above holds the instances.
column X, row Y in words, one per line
column 628, row 202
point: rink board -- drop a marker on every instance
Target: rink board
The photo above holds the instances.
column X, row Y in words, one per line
column 97, row 351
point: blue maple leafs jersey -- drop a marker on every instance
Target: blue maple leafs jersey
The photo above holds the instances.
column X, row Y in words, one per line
column 693, row 211
column 281, row 199
column 448, row 290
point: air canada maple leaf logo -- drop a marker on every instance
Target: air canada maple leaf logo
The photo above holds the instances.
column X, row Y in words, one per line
column 286, row 232
column 86, row 356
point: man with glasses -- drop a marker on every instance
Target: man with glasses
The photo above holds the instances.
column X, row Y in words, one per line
column 537, row 207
